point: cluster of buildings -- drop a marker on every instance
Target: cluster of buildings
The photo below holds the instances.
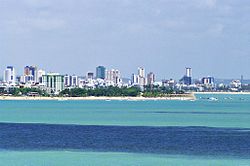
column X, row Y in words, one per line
column 54, row 83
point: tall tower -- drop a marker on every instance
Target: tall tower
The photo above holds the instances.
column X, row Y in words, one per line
column 100, row 72
column 141, row 72
column 150, row 78
column 187, row 78
column 32, row 72
column 141, row 77
column 9, row 75
column 188, row 72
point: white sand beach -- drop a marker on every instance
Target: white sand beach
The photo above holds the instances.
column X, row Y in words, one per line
column 176, row 97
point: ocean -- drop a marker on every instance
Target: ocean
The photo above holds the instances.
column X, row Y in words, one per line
column 201, row 132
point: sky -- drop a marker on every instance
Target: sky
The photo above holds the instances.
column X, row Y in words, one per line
column 163, row 36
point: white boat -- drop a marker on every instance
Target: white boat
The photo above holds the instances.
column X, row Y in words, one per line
column 213, row 99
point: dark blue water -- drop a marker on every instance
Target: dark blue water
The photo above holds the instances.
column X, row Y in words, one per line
column 161, row 140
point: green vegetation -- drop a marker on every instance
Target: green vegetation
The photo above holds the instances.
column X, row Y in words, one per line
column 116, row 91
column 26, row 91
column 102, row 91
column 159, row 91
column 111, row 91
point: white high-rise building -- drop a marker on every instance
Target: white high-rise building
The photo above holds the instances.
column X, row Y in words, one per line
column 74, row 82
column 53, row 82
column 135, row 79
column 71, row 81
column 142, row 78
column 188, row 72
column 142, row 81
column 9, row 75
column 67, row 81
column 141, row 72
column 113, row 76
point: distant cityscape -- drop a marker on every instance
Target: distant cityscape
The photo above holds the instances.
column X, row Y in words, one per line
column 54, row 83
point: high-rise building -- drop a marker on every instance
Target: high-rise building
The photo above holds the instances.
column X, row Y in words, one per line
column 100, row 72
column 113, row 76
column 150, row 78
column 70, row 81
column 188, row 72
column 142, row 79
column 67, row 81
column 135, row 79
column 141, row 72
column 53, row 82
column 207, row 80
column 74, row 82
column 187, row 78
column 9, row 75
column 241, row 79
column 32, row 73
column 40, row 74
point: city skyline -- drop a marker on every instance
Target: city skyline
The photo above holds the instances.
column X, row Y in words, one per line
column 21, row 72
column 162, row 36
column 55, row 83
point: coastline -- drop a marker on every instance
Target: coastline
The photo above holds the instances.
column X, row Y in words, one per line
column 174, row 97
column 190, row 96
column 223, row 93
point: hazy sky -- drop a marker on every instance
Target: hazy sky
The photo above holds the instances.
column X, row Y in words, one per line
column 164, row 36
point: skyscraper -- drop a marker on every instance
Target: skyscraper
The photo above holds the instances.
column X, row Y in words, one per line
column 113, row 76
column 74, row 81
column 67, row 81
column 100, row 72
column 141, row 74
column 9, row 75
column 188, row 72
column 134, row 79
column 187, row 78
column 70, row 81
column 151, row 78
column 241, row 79
column 31, row 72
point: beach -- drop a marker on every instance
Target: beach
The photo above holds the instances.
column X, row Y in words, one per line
column 190, row 96
column 172, row 97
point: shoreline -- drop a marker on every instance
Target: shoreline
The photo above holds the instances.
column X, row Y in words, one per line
column 186, row 97
column 222, row 93
column 106, row 98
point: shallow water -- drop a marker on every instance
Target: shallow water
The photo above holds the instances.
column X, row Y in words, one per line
column 221, row 113
column 201, row 132
column 60, row 158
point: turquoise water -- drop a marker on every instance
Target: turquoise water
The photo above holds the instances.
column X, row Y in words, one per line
column 107, row 159
column 222, row 113
column 230, row 111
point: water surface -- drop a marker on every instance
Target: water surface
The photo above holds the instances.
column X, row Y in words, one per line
column 201, row 132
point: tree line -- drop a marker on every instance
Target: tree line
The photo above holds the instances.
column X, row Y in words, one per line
column 101, row 91
column 112, row 91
